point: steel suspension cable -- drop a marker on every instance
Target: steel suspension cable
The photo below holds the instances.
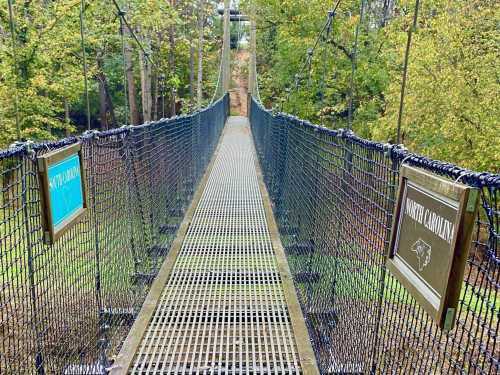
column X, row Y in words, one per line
column 238, row 30
column 84, row 56
column 353, row 65
column 254, row 78
column 147, row 53
column 324, row 73
column 256, row 83
column 121, row 13
column 405, row 70
column 217, row 86
column 125, row 83
column 320, row 34
column 15, row 69
column 307, row 62
column 311, row 51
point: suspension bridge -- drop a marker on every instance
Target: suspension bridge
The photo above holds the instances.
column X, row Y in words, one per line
column 228, row 244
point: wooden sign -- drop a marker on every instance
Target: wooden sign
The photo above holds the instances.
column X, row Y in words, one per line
column 431, row 233
column 62, row 180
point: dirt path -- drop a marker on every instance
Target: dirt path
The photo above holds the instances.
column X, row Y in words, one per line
column 239, row 77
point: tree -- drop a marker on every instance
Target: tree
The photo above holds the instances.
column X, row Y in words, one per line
column 452, row 102
column 48, row 73
column 201, row 31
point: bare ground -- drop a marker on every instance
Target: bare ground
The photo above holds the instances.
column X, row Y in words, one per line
column 239, row 76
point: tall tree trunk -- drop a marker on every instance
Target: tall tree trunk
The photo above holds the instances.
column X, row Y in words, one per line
column 201, row 30
column 105, row 101
column 103, row 119
column 129, row 72
column 191, row 70
column 388, row 11
column 171, row 61
column 102, row 107
column 109, row 102
column 145, row 68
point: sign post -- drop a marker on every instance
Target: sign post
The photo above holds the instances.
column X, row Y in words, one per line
column 431, row 233
column 62, row 180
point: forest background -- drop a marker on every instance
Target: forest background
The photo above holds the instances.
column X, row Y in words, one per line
column 452, row 103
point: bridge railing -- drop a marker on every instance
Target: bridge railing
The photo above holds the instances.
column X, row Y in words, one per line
column 333, row 195
column 66, row 308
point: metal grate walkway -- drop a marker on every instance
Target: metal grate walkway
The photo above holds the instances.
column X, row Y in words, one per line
column 224, row 308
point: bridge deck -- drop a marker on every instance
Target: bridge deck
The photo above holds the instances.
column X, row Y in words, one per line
column 224, row 301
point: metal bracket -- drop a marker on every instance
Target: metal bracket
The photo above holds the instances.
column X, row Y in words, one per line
column 472, row 201
column 449, row 320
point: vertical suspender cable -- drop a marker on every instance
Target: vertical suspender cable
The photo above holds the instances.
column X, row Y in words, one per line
column 405, row 70
column 134, row 36
column 353, row 64
column 331, row 14
column 82, row 39
column 125, row 88
column 201, row 30
column 15, row 69
column 238, row 30
column 162, row 89
column 310, row 53
column 252, row 70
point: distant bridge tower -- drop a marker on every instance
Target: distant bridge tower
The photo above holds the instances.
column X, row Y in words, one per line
column 252, row 69
column 226, row 49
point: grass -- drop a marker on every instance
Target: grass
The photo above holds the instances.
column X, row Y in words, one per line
column 69, row 261
column 69, row 268
column 362, row 282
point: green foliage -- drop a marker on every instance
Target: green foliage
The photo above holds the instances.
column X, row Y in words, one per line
column 452, row 101
column 46, row 70
column 452, row 105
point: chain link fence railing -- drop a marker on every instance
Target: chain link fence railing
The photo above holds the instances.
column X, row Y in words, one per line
column 333, row 195
column 66, row 308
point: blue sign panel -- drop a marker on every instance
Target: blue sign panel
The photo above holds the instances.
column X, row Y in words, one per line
column 65, row 189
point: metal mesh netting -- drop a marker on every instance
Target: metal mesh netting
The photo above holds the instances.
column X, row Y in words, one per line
column 66, row 308
column 333, row 195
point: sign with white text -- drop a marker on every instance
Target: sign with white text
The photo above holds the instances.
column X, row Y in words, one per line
column 62, row 181
column 432, row 226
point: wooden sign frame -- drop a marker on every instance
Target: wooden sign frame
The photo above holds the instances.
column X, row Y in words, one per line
column 51, row 232
column 465, row 199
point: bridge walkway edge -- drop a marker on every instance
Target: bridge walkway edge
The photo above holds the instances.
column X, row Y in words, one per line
column 124, row 361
